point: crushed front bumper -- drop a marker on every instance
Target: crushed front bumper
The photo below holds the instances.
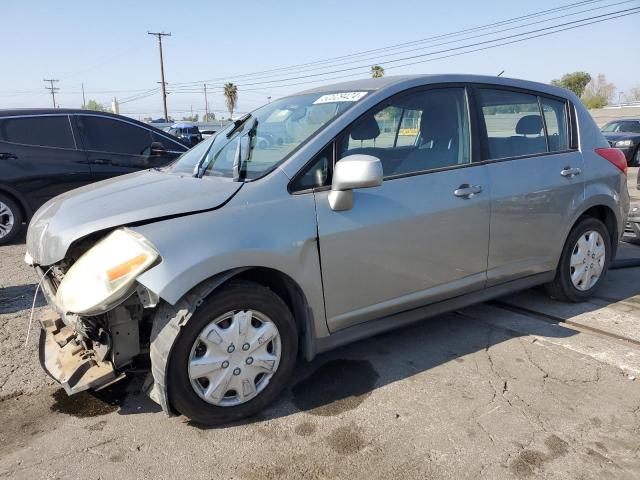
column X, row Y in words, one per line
column 67, row 361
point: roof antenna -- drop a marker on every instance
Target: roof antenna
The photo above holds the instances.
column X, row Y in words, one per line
column 500, row 73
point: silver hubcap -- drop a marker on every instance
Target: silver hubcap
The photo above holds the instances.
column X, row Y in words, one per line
column 234, row 358
column 6, row 220
column 587, row 260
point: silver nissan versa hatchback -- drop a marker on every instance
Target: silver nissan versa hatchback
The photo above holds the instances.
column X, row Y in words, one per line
column 317, row 220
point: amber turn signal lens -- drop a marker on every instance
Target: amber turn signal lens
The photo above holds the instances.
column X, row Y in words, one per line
column 126, row 267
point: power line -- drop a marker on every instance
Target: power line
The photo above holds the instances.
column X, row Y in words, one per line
column 401, row 45
column 625, row 12
column 52, row 89
column 164, row 84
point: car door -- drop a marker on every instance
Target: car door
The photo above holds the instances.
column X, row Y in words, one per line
column 39, row 159
column 535, row 170
column 114, row 146
column 420, row 237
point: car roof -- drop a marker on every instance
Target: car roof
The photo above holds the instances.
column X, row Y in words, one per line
column 411, row 80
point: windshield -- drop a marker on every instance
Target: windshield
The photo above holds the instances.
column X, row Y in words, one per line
column 622, row 127
column 275, row 130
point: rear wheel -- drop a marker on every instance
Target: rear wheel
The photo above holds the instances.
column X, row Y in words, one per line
column 10, row 219
column 584, row 262
column 234, row 355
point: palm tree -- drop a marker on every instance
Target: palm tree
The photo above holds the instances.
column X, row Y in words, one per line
column 377, row 71
column 231, row 95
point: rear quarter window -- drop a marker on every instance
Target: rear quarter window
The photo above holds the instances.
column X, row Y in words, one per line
column 43, row 131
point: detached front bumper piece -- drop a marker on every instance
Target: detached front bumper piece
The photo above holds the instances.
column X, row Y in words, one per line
column 67, row 361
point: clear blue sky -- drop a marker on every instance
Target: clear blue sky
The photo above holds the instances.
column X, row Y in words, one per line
column 105, row 46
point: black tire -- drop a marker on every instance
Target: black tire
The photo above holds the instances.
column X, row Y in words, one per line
column 562, row 288
column 238, row 295
column 16, row 213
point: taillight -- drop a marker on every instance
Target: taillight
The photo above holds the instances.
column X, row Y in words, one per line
column 614, row 156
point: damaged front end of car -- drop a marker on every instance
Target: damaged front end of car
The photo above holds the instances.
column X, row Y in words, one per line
column 99, row 323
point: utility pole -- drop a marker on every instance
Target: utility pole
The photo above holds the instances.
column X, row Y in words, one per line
column 164, row 84
column 206, row 105
column 84, row 103
column 52, row 89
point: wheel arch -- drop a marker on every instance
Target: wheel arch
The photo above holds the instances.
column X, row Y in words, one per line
column 169, row 319
column 607, row 215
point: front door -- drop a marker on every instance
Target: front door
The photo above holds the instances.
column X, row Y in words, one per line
column 422, row 236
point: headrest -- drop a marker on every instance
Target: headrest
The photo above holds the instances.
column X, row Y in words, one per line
column 529, row 125
column 366, row 129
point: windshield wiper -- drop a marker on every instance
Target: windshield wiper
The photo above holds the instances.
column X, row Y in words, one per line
column 237, row 124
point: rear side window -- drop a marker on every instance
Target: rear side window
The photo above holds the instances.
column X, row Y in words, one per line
column 555, row 118
column 109, row 135
column 42, row 131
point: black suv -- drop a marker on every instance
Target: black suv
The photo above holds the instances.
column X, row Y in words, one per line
column 46, row 152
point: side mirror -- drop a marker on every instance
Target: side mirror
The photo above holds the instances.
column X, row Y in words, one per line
column 157, row 148
column 353, row 171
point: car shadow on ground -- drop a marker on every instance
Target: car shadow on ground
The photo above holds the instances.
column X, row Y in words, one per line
column 343, row 379
column 18, row 298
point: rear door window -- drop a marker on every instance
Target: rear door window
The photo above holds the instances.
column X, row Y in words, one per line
column 110, row 135
column 514, row 123
column 43, row 131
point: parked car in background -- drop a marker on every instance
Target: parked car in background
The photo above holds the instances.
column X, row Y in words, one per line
column 390, row 200
column 186, row 132
column 625, row 135
column 45, row 152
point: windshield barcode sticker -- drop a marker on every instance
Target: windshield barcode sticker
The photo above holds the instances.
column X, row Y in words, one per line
column 340, row 97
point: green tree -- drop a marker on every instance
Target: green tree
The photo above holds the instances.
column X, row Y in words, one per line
column 209, row 117
column 576, row 82
column 598, row 92
column 231, row 96
column 377, row 71
column 191, row 118
column 93, row 105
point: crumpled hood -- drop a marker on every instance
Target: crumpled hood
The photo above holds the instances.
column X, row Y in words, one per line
column 134, row 198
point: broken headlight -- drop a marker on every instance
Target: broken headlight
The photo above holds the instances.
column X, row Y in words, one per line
column 105, row 274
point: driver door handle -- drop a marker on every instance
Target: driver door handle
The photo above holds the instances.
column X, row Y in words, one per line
column 7, row 156
column 569, row 172
column 467, row 191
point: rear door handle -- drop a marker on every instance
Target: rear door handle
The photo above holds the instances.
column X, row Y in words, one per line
column 570, row 172
column 467, row 191
column 7, row 156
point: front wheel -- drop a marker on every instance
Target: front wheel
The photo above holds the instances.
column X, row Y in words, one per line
column 234, row 355
column 584, row 262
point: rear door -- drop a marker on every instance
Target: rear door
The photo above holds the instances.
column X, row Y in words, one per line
column 423, row 235
column 535, row 171
column 115, row 147
column 39, row 158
